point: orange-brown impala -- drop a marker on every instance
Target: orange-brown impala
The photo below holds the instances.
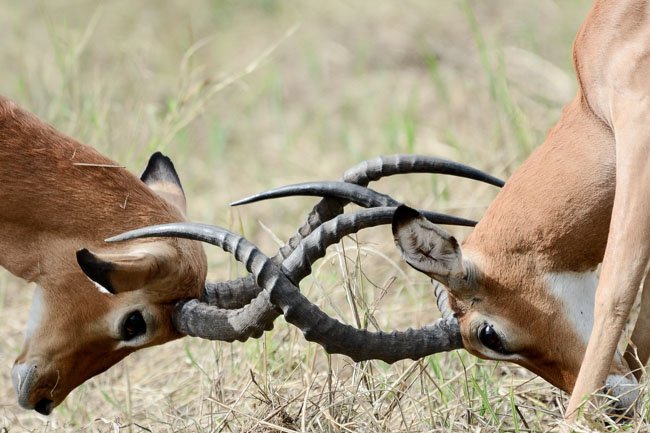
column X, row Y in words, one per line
column 524, row 286
column 58, row 200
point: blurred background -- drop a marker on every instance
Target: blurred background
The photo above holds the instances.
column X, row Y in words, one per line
column 249, row 95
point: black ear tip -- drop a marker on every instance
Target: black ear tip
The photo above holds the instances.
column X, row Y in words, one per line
column 89, row 262
column 403, row 214
column 158, row 161
column 159, row 157
column 84, row 256
column 95, row 268
column 160, row 168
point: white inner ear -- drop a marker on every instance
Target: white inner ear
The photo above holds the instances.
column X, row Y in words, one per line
column 99, row 287
column 430, row 249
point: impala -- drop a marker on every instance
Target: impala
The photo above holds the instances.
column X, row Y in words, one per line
column 524, row 287
column 583, row 197
column 93, row 303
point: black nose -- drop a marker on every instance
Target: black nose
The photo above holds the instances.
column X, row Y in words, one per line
column 44, row 406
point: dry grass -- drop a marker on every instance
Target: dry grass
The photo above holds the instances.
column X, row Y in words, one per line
column 241, row 107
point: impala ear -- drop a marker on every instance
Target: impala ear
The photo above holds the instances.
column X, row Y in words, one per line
column 131, row 268
column 162, row 178
column 429, row 249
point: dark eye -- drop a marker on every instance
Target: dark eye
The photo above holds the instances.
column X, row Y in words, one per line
column 491, row 339
column 133, row 326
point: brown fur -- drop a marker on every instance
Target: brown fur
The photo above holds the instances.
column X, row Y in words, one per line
column 556, row 211
column 553, row 215
column 583, row 197
column 50, row 208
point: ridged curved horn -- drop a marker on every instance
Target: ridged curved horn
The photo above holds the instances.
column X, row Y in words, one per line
column 239, row 292
column 446, row 220
column 363, row 196
column 230, row 294
column 374, row 169
column 236, row 293
column 442, row 300
column 389, row 165
column 298, row 264
column 335, row 337
column 199, row 319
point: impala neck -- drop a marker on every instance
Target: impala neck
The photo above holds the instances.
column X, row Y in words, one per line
column 556, row 207
column 52, row 203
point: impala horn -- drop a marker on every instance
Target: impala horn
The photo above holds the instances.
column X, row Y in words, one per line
column 280, row 287
column 237, row 293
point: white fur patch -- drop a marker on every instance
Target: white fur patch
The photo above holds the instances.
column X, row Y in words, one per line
column 35, row 312
column 577, row 291
column 99, row 287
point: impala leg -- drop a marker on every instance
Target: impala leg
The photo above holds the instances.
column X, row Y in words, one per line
column 638, row 352
column 627, row 253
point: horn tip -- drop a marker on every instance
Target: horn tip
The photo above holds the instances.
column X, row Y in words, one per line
column 123, row 237
column 243, row 201
column 114, row 239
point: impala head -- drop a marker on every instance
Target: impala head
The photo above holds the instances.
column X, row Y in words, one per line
column 101, row 302
column 509, row 306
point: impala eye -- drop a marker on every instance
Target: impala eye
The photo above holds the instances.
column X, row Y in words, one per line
column 491, row 339
column 133, row 326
